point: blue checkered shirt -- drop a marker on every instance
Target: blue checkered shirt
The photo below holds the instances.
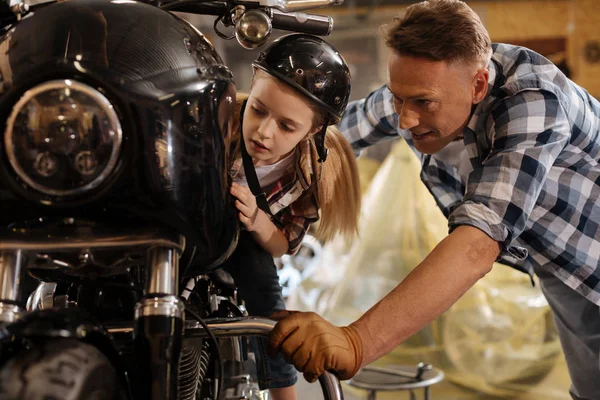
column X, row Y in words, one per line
column 532, row 178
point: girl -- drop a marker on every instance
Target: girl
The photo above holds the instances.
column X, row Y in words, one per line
column 284, row 179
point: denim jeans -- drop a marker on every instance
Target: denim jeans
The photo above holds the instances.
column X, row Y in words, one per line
column 578, row 323
column 255, row 276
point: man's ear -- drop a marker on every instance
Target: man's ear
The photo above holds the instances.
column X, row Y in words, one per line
column 480, row 85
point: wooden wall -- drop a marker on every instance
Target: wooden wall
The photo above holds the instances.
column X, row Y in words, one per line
column 562, row 27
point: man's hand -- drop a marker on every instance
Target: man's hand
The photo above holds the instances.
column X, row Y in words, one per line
column 314, row 345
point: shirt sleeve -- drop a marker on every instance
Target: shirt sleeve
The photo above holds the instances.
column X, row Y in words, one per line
column 295, row 220
column 370, row 120
column 528, row 131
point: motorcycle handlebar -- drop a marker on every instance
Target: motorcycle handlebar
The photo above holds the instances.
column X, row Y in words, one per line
column 289, row 21
column 301, row 22
column 196, row 7
column 297, row 5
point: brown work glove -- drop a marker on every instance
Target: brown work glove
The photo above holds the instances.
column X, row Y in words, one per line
column 314, row 345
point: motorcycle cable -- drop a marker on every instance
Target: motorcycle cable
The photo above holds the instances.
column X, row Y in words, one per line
column 217, row 351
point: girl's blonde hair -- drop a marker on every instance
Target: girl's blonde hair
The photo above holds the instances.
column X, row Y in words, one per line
column 337, row 188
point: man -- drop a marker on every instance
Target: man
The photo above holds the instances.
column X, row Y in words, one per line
column 509, row 149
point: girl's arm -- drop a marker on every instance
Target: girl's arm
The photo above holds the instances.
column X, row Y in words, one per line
column 268, row 236
column 264, row 232
column 294, row 219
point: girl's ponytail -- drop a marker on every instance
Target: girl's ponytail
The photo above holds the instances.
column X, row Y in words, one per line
column 338, row 189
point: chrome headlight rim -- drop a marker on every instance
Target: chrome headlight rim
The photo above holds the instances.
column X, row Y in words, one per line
column 106, row 106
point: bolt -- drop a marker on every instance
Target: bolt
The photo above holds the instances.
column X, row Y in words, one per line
column 20, row 9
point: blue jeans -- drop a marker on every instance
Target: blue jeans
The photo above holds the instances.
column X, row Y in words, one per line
column 255, row 276
column 578, row 323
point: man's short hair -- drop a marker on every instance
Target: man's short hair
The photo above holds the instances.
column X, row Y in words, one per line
column 440, row 30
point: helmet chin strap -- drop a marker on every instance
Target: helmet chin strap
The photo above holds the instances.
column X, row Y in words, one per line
column 320, row 143
column 250, row 171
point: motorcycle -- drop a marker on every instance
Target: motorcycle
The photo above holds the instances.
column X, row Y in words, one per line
column 116, row 119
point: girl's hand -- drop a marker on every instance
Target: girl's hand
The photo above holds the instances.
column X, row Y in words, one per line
column 250, row 215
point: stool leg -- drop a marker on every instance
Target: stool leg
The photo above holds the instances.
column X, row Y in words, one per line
column 426, row 393
column 372, row 395
column 412, row 395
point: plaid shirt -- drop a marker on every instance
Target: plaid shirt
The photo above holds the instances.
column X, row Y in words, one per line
column 532, row 177
column 291, row 198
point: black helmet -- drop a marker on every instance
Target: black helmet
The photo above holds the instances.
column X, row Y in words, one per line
column 311, row 65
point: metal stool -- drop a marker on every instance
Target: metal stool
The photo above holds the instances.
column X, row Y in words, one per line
column 397, row 377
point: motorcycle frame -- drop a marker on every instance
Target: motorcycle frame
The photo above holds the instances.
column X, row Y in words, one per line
column 159, row 322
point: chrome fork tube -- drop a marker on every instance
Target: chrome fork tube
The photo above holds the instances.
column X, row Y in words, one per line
column 11, row 262
column 158, row 329
column 163, row 271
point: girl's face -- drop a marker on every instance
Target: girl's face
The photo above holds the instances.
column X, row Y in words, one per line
column 276, row 119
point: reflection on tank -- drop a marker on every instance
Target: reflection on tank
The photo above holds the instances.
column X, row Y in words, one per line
column 499, row 339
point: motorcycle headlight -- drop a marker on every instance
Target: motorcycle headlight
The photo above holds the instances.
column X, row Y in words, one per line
column 63, row 138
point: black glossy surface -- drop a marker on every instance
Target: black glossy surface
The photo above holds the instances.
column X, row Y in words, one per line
column 312, row 66
column 157, row 347
column 174, row 98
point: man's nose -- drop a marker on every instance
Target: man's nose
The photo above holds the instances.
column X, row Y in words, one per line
column 407, row 118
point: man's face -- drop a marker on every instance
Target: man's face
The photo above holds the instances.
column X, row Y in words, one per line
column 433, row 99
